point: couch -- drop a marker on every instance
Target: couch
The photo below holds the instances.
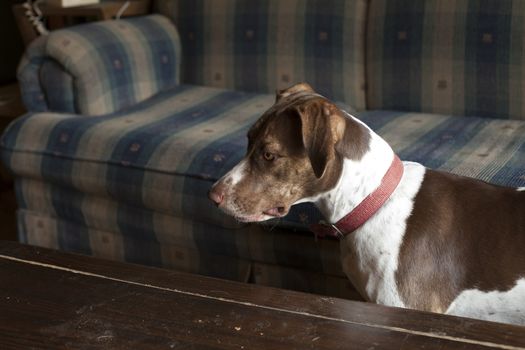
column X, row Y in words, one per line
column 131, row 121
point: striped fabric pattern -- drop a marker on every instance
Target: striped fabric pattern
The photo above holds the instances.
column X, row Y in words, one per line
column 263, row 45
column 128, row 224
column 58, row 86
column 165, row 153
column 253, row 253
column 459, row 57
column 105, row 66
column 47, row 231
column 28, row 75
column 262, row 243
column 132, row 185
column 491, row 150
column 161, row 154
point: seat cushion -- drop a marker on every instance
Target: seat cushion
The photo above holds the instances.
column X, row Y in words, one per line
column 165, row 153
column 487, row 149
column 162, row 154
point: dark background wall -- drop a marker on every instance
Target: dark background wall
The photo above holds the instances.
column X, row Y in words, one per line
column 11, row 45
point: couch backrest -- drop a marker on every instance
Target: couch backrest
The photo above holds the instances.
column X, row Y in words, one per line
column 262, row 45
column 460, row 57
column 102, row 67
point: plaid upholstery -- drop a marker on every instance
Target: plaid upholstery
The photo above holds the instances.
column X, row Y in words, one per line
column 164, row 154
column 48, row 231
column 180, row 140
column 261, row 243
column 131, row 184
column 261, row 45
column 59, row 87
column 459, row 57
column 100, row 68
column 102, row 183
column 29, row 76
column 487, row 149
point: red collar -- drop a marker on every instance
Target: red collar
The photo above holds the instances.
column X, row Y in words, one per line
column 367, row 208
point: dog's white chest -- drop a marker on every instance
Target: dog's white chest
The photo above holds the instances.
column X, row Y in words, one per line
column 370, row 255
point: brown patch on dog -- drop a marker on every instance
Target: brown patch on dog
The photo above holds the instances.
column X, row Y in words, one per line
column 318, row 136
column 454, row 242
column 295, row 150
column 327, row 133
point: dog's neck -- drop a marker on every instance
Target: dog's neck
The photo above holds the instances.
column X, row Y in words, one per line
column 358, row 179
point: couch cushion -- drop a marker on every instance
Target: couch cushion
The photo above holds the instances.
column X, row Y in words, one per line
column 162, row 154
column 487, row 149
column 165, row 153
column 261, row 45
column 455, row 57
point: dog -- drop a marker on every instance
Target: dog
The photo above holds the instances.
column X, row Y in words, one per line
column 411, row 237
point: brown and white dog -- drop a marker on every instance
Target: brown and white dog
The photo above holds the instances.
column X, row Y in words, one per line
column 436, row 241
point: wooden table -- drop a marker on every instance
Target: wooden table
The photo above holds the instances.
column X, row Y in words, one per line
column 50, row 299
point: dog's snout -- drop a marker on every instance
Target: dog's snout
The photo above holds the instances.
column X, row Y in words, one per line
column 216, row 194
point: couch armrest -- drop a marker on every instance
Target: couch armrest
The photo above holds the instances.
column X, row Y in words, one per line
column 109, row 65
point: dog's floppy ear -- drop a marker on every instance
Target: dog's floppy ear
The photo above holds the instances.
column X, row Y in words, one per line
column 279, row 94
column 318, row 138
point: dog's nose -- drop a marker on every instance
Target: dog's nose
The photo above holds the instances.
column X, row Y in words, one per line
column 216, row 195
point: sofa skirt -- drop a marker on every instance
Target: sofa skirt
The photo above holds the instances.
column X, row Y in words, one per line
column 62, row 218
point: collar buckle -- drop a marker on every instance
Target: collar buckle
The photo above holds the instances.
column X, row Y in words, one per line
column 336, row 231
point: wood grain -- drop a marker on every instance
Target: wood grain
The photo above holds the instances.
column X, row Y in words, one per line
column 50, row 299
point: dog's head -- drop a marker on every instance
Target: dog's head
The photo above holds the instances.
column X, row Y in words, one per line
column 295, row 152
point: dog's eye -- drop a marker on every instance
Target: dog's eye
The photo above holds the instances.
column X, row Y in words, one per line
column 268, row 156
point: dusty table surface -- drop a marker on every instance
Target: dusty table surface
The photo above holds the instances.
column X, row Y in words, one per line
column 50, row 299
